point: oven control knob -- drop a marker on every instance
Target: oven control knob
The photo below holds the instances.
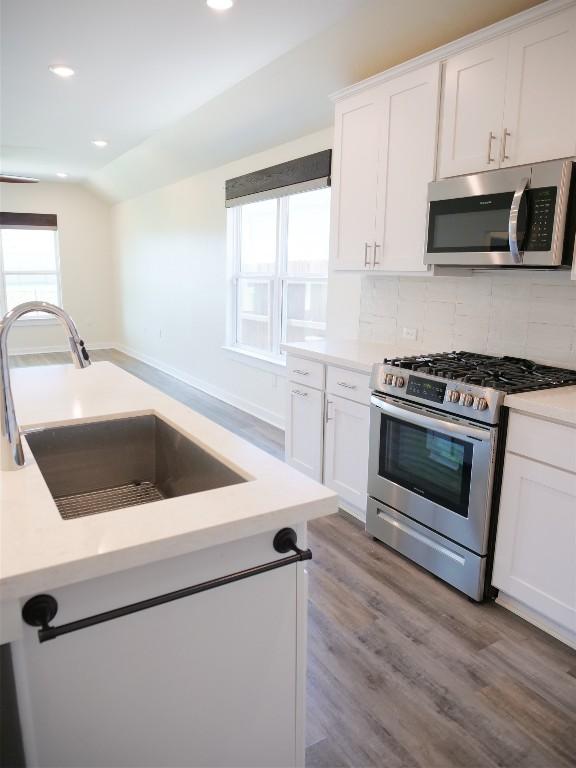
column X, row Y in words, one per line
column 399, row 381
column 389, row 379
column 467, row 400
column 453, row 395
column 480, row 404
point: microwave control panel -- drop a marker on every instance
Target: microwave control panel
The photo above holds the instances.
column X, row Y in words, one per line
column 541, row 207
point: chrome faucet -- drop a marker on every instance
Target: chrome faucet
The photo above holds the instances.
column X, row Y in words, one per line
column 11, row 453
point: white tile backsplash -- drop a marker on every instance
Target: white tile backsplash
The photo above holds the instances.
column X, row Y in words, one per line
column 525, row 314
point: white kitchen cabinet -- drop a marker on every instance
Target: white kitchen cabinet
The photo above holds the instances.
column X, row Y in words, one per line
column 327, row 430
column 384, row 157
column 408, row 156
column 535, row 556
column 473, row 99
column 511, row 101
column 212, row 679
column 305, row 429
column 355, row 180
column 346, row 451
column 540, row 109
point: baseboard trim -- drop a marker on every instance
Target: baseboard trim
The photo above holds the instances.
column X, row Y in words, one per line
column 226, row 397
column 61, row 348
column 536, row 618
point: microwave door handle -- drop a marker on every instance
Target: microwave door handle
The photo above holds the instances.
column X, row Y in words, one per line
column 517, row 255
column 429, row 421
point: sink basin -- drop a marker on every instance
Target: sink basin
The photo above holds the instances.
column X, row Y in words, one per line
column 105, row 465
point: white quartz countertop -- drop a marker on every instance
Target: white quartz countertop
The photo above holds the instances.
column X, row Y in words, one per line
column 359, row 355
column 39, row 550
column 558, row 404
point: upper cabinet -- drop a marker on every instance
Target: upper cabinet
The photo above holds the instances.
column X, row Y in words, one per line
column 511, row 101
column 384, row 157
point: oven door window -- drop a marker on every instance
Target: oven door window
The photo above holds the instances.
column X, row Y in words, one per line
column 431, row 464
column 472, row 224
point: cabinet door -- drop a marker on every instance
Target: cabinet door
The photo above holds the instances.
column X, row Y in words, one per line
column 304, row 429
column 540, row 113
column 409, row 135
column 536, row 539
column 346, row 451
column 473, row 106
column 354, row 181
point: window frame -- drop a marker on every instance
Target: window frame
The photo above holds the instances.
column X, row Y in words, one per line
column 279, row 279
column 43, row 319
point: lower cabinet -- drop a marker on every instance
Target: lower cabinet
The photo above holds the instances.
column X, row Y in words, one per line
column 304, row 429
column 346, row 441
column 535, row 557
column 327, row 435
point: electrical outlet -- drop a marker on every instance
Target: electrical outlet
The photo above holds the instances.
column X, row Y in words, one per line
column 410, row 333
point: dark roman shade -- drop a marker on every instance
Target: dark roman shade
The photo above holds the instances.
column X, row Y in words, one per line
column 300, row 175
column 28, row 221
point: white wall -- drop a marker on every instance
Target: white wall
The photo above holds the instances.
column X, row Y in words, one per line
column 173, row 283
column 523, row 314
column 86, row 262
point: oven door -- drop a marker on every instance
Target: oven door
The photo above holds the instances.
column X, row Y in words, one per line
column 432, row 468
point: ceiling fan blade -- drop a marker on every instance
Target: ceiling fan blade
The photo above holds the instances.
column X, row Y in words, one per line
column 10, row 179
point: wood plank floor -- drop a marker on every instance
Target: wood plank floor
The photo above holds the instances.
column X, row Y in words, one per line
column 405, row 672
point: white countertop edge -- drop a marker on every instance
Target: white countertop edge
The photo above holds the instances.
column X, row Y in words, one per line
column 557, row 404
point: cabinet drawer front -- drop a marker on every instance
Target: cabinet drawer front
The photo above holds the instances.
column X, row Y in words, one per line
column 349, row 384
column 307, row 372
column 542, row 440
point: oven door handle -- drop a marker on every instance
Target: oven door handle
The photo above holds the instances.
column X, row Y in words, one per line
column 437, row 423
column 517, row 255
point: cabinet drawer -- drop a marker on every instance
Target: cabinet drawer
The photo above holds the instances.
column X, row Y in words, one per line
column 349, row 384
column 307, row 372
column 542, row 440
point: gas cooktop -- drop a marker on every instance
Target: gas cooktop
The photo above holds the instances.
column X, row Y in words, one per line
column 505, row 374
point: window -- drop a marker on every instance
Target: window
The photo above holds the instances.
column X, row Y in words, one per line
column 280, row 268
column 29, row 269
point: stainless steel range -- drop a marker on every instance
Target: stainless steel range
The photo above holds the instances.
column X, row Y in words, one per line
column 434, row 431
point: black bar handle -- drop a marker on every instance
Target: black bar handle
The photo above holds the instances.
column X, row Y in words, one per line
column 40, row 610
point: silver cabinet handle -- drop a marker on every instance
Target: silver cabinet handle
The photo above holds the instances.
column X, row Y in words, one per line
column 346, row 385
column 491, row 138
column 376, row 262
column 328, row 417
column 504, row 142
column 299, row 393
column 300, row 372
column 516, row 254
column 366, row 257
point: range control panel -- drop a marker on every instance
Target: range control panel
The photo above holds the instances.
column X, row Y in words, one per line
column 427, row 389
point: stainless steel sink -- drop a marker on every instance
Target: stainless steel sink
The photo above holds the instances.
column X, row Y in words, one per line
column 105, row 465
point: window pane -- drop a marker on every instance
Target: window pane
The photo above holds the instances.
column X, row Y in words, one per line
column 21, row 288
column 305, row 313
column 29, row 250
column 258, row 238
column 254, row 328
column 309, row 232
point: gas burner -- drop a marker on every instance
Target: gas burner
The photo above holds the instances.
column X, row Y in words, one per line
column 506, row 374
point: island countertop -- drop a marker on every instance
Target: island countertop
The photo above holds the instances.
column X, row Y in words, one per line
column 39, row 550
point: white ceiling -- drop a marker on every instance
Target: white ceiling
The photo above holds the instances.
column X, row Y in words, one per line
column 141, row 65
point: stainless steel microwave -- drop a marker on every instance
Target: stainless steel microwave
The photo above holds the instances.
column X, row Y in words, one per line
column 523, row 216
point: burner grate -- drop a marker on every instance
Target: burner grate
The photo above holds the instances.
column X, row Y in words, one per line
column 507, row 374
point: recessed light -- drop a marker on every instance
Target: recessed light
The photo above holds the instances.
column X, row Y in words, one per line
column 100, row 143
column 61, row 71
column 62, row 175
column 220, row 5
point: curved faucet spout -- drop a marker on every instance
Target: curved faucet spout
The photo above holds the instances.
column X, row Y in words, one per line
column 11, row 453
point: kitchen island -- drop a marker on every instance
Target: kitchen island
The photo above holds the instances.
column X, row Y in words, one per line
column 214, row 678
